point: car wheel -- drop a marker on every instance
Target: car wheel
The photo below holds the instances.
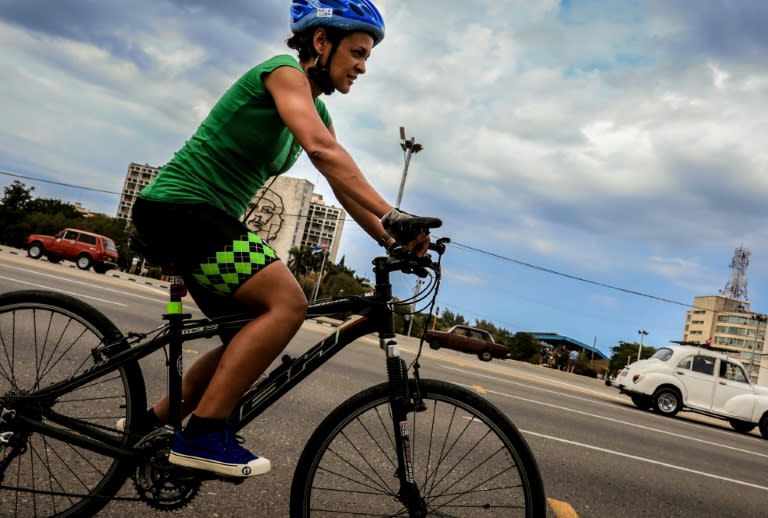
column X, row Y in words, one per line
column 84, row 262
column 434, row 344
column 764, row 426
column 486, row 356
column 641, row 401
column 667, row 401
column 742, row 426
column 35, row 251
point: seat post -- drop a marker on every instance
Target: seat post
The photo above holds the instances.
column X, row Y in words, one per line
column 175, row 316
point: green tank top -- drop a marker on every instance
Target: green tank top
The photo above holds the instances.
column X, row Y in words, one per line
column 241, row 143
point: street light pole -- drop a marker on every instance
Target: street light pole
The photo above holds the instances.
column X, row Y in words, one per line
column 759, row 340
column 642, row 333
column 409, row 147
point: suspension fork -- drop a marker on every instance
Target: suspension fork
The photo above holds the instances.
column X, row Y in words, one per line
column 400, row 404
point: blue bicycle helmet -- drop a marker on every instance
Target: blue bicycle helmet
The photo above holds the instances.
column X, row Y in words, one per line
column 347, row 15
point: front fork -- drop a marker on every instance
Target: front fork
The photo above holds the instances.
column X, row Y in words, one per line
column 400, row 402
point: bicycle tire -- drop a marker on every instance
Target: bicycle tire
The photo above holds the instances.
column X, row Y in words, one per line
column 45, row 337
column 469, row 459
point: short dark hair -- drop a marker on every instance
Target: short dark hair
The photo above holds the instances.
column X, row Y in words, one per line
column 303, row 41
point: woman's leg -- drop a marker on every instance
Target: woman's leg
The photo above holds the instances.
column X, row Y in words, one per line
column 192, row 384
column 274, row 293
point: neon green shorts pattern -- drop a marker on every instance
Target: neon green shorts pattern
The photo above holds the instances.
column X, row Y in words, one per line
column 229, row 269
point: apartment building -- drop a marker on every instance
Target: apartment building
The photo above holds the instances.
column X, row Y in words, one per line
column 324, row 223
column 286, row 212
column 730, row 325
column 137, row 177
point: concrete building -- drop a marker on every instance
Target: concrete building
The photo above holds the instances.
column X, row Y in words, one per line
column 136, row 178
column 289, row 214
column 286, row 212
column 730, row 325
column 324, row 225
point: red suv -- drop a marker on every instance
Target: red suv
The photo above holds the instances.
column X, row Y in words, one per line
column 84, row 248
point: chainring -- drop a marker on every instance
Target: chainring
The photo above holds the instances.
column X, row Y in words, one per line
column 160, row 484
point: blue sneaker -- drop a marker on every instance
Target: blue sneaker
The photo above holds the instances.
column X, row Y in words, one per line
column 218, row 452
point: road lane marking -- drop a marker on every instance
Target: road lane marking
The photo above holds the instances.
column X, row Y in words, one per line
column 611, row 419
column 562, row 509
column 81, row 283
column 74, row 294
column 645, row 459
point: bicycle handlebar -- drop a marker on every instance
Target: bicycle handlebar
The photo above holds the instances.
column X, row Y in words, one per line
column 406, row 262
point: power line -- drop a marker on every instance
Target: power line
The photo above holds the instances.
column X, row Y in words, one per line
column 572, row 277
column 6, row 173
column 460, row 245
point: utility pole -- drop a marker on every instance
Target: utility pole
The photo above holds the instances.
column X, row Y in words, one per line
column 642, row 333
column 409, row 147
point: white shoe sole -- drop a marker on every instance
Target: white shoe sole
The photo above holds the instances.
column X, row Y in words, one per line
column 259, row 466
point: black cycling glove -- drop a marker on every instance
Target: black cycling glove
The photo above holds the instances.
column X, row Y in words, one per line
column 398, row 224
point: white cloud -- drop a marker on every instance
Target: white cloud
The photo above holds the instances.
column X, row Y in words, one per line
column 588, row 138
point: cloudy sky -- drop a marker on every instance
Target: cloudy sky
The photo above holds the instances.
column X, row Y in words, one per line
column 596, row 163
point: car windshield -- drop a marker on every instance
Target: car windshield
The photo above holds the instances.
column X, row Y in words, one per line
column 110, row 245
column 663, row 354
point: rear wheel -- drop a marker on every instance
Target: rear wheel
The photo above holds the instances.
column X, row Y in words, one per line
column 468, row 459
column 667, row 401
column 46, row 338
column 84, row 261
column 742, row 426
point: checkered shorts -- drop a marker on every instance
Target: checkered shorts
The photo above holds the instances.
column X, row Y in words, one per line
column 225, row 271
column 214, row 252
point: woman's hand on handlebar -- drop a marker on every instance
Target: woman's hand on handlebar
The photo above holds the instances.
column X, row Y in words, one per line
column 410, row 232
column 419, row 246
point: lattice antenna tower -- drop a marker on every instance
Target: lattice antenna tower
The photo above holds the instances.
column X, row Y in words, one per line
column 736, row 287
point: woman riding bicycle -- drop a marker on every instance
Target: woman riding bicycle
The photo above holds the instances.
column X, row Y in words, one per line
column 189, row 215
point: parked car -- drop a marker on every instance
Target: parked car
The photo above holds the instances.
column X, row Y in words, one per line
column 468, row 340
column 86, row 249
column 698, row 379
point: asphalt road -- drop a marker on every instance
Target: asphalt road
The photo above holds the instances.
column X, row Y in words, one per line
column 598, row 454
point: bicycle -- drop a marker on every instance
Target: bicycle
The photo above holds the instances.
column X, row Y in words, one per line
column 408, row 446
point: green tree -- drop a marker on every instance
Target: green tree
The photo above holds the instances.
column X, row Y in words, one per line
column 449, row 319
column 626, row 352
column 16, row 196
column 524, row 347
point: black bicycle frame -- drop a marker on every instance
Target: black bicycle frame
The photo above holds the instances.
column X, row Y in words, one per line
column 371, row 314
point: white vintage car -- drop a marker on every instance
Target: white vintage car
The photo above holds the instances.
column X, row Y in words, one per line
column 697, row 379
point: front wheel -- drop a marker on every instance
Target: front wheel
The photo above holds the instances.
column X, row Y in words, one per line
column 485, row 356
column 468, row 459
column 35, row 250
column 764, row 426
column 742, row 426
column 48, row 338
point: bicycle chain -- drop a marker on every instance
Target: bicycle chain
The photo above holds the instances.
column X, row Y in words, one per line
column 158, row 484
